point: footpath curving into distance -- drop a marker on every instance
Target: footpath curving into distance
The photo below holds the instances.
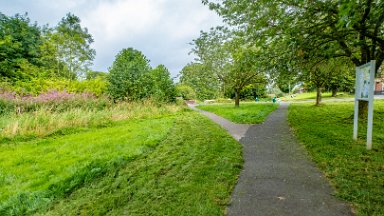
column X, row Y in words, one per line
column 278, row 178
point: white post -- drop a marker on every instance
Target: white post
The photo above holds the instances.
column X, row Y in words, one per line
column 356, row 120
column 356, row 115
column 364, row 92
column 370, row 105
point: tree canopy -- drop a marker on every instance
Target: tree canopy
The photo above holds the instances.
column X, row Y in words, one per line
column 294, row 34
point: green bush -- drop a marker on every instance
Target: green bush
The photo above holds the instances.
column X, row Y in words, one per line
column 186, row 92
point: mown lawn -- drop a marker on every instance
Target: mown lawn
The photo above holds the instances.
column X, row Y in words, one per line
column 356, row 173
column 247, row 113
column 177, row 164
column 312, row 96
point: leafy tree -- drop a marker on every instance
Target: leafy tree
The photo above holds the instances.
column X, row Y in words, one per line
column 243, row 71
column 330, row 28
column 201, row 79
column 128, row 76
column 19, row 46
column 353, row 28
column 72, row 45
column 163, row 88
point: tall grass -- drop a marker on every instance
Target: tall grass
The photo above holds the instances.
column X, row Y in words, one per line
column 57, row 112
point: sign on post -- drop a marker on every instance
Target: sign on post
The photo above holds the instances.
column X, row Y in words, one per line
column 364, row 89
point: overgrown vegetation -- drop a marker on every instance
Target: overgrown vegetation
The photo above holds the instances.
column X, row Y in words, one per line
column 356, row 173
column 247, row 113
column 61, row 112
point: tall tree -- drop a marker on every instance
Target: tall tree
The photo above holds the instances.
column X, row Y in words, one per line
column 163, row 88
column 128, row 76
column 330, row 28
column 73, row 46
column 353, row 28
column 244, row 71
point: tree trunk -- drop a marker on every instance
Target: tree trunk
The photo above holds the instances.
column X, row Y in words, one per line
column 318, row 96
column 237, row 98
column 334, row 92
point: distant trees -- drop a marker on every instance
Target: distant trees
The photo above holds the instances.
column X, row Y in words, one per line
column 225, row 63
column 131, row 78
column 204, row 83
column 34, row 59
column 27, row 50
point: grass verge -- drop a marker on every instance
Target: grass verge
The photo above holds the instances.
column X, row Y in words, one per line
column 247, row 113
column 356, row 173
column 312, row 96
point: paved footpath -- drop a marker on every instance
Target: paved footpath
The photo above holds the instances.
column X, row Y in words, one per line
column 278, row 178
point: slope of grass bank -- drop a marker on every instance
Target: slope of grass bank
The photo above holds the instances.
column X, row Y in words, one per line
column 356, row 173
column 181, row 164
column 247, row 113
column 33, row 173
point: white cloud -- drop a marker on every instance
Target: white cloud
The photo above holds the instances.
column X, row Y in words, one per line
column 161, row 29
column 121, row 19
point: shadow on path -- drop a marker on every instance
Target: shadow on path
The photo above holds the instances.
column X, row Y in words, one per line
column 278, row 178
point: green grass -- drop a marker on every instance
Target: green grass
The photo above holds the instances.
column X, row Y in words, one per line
column 44, row 122
column 58, row 165
column 356, row 173
column 151, row 166
column 312, row 96
column 247, row 113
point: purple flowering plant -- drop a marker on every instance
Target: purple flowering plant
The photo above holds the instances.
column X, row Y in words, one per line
column 55, row 100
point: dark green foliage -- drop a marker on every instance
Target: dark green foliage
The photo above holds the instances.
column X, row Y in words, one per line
column 129, row 76
column 163, row 88
column 249, row 92
column 20, row 43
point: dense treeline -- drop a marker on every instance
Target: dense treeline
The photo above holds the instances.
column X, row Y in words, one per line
column 37, row 59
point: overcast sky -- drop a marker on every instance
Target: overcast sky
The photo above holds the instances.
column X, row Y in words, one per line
column 161, row 29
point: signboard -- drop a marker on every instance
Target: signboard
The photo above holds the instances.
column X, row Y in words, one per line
column 364, row 89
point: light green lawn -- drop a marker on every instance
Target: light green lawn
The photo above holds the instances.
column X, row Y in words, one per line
column 312, row 96
column 182, row 164
column 41, row 167
column 247, row 113
column 356, row 173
